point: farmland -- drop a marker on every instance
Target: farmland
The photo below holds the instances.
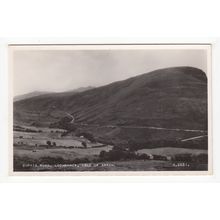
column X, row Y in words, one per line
column 53, row 149
column 172, row 151
column 33, row 144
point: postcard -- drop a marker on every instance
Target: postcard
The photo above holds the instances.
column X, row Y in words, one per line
column 110, row 109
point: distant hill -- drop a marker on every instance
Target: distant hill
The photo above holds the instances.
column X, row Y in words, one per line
column 172, row 97
column 82, row 89
column 39, row 93
column 29, row 95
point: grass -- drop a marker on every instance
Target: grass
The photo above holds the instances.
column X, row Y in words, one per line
column 143, row 137
column 87, row 159
column 48, row 134
column 65, row 153
column 171, row 151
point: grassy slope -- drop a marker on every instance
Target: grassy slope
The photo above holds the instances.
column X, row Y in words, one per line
column 173, row 97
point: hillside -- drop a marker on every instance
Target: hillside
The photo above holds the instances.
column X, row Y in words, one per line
column 29, row 95
column 40, row 93
column 172, row 98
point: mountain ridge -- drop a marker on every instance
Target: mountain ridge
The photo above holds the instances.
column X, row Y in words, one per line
column 42, row 93
column 170, row 97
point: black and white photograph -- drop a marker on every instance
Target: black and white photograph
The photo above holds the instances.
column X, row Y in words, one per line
column 110, row 109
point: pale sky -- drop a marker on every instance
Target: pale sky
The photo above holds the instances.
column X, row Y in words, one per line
column 63, row 70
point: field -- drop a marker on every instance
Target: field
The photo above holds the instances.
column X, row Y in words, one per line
column 48, row 134
column 58, row 152
column 47, row 149
column 45, row 145
column 168, row 151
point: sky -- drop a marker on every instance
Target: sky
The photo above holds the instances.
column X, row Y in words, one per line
column 63, row 70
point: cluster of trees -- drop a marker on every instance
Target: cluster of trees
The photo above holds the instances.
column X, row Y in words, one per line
column 49, row 143
column 196, row 144
column 117, row 154
column 54, row 131
column 120, row 154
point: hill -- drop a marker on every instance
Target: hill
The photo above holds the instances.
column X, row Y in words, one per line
column 171, row 98
column 28, row 95
column 39, row 93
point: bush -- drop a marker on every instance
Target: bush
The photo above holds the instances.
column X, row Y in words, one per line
column 143, row 157
column 49, row 143
column 84, row 144
column 64, row 134
column 117, row 154
column 159, row 157
column 102, row 154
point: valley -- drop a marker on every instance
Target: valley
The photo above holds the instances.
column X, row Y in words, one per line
column 154, row 121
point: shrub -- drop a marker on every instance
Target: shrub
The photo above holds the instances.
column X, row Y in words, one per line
column 84, row 144
column 102, row 154
column 49, row 143
column 117, row 154
column 159, row 157
column 143, row 157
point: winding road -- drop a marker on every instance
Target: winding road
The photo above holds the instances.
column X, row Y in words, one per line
column 193, row 138
column 73, row 119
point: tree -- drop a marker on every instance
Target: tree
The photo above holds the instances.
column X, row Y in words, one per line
column 54, row 144
column 49, row 143
column 84, row 144
column 102, row 154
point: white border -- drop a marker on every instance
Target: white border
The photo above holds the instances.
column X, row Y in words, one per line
column 215, row 45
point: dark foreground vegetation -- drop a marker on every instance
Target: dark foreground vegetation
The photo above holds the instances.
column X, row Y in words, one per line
column 120, row 154
column 193, row 162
